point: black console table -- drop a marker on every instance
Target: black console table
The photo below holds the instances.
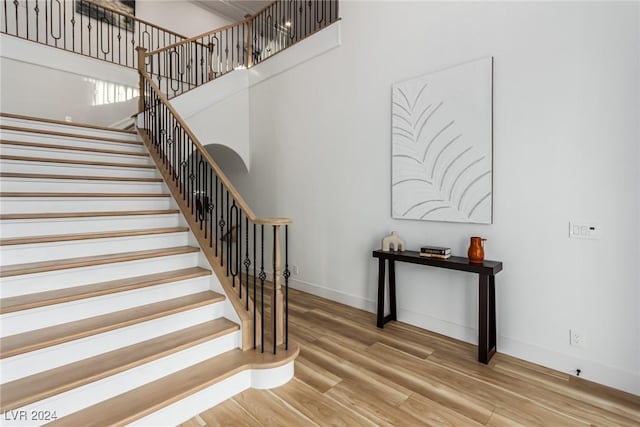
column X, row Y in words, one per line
column 487, row 291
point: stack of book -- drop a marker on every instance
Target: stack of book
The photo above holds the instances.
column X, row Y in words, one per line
column 435, row 252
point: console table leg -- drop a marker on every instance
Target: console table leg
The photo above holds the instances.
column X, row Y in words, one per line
column 492, row 316
column 392, row 290
column 483, row 308
column 381, row 262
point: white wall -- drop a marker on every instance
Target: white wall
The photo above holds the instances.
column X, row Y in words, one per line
column 183, row 17
column 566, row 109
column 218, row 113
column 38, row 80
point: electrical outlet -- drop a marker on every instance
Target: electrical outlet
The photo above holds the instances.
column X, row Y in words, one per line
column 576, row 338
column 584, row 230
column 295, row 270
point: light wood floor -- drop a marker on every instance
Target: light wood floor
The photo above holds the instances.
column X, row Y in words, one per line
column 351, row 373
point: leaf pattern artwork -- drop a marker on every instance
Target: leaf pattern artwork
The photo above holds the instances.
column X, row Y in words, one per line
column 442, row 145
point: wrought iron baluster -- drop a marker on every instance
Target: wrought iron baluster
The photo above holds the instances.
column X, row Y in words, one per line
column 221, row 224
column 15, row 6
column 227, row 240
column 274, row 300
column 238, row 240
column 255, row 301
column 215, row 217
column 26, row 15
column 247, row 260
column 262, row 277
column 37, row 11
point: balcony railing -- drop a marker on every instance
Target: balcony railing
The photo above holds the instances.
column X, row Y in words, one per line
column 200, row 59
column 84, row 27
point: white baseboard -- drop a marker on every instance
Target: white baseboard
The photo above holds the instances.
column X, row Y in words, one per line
column 590, row 370
column 333, row 295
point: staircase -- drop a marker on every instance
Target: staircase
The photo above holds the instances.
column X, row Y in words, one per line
column 109, row 310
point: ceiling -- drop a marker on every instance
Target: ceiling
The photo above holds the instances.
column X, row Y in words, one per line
column 234, row 10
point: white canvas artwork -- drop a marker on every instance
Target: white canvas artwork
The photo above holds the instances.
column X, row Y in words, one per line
column 442, row 145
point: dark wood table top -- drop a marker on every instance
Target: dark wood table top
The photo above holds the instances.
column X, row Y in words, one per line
column 453, row 263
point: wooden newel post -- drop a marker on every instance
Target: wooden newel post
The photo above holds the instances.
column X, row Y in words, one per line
column 142, row 53
column 277, row 299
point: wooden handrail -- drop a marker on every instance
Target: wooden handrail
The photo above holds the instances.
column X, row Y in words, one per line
column 128, row 15
column 223, row 178
column 199, row 36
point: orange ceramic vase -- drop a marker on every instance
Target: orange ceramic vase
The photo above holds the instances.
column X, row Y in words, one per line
column 476, row 251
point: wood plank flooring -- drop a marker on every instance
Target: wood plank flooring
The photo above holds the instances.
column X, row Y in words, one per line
column 350, row 373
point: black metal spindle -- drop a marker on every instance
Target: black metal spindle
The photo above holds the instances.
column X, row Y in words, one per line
column 262, row 277
column 232, row 257
column 217, row 203
column 227, row 240
column 274, row 300
column 210, row 216
column 247, row 261
column 255, row 302
column 239, row 252
column 221, row 223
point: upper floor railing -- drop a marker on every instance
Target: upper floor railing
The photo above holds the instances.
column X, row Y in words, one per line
column 84, row 27
column 200, row 59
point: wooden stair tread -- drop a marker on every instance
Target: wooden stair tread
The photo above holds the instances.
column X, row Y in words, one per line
column 75, row 177
column 57, row 296
column 64, row 264
column 88, row 236
column 74, row 162
column 137, row 403
column 51, row 194
column 24, row 391
column 69, row 135
column 70, row 148
column 53, row 335
column 55, row 215
column 60, row 122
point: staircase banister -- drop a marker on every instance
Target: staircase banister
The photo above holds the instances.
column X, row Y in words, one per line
column 128, row 15
column 223, row 178
column 195, row 38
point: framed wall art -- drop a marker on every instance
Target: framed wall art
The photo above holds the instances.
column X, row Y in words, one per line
column 442, row 145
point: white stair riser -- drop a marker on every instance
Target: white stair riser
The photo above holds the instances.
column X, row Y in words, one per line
column 31, row 227
column 90, row 394
column 80, row 186
column 36, row 361
column 42, row 317
column 19, row 166
column 47, row 281
column 47, row 153
column 20, row 254
column 75, row 204
column 55, row 127
column 18, row 135
column 182, row 410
